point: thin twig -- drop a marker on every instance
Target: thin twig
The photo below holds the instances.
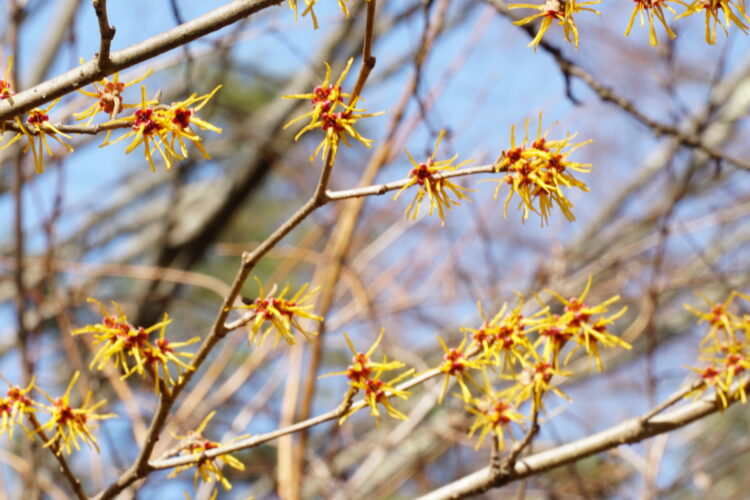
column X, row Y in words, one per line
column 106, row 34
column 379, row 189
column 510, row 461
column 368, row 60
column 70, row 129
column 672, row 400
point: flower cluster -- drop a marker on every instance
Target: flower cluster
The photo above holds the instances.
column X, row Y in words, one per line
column 332, row 115
column 280, row 313
column 494, row 413
column 526, row 353
column 725, row 349
column 647, row 11
column 538, row 172
column 555, row 10
column 429, row 176
column 364, row 375
column 133, row 349
column 14, row 406
column 68, row 424
column 36, row 130
column 166, row 128
column 208, row 469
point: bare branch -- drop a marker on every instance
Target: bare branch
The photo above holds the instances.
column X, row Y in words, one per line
column 125, row 58
column 106, row 34
column 631, row 431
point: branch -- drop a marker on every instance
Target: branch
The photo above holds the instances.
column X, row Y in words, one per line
column 629, row 432
column 106, row 34
column 379, row 189
column 71, row 129
column 125, row 58
column 368, row 60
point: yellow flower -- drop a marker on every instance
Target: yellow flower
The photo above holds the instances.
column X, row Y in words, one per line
column 364, row 375
column 538, row 172
column 456, row 363
column 505, row 336
column 535, row 381
column 158, row 354
column 71, row 424
column 14, row 406
column 6, row 86
column 711, row 377
column 148, row 128
column 428, row 176
column 494, row 413
column 157, row 126
column 181, row 115
column 108, row 96
column 122, row 342
column 712, row 9
column 577, row 323
column 282, row 313
column 719, row 318
column 555, row 10
column 39, row 127
column 207, row 468
column 331, row 115
column 652, row 9
column 324, row 97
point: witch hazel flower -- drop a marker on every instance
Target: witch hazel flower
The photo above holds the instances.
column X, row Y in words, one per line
column 331, row 114
column 441, row 193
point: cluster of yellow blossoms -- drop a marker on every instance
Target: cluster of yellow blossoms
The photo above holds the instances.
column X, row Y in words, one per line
column 67, row 424
column 523, row 353
column 207, row 469
column 428, row 175
column 651, row 11
column 364, row 375
column 332, row 115
column 725, row 349
column 279, row 313
column 133, row 349
column 158, row 127
column 538, row 171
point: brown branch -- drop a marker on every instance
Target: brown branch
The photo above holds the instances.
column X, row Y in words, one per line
column 380, row 189
column 509, row 463
column 71, row 129
column 251, row 442
column 368, row 60
column 106, row 34
column 347, row 407
column 128, row 57
column 629, row 432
